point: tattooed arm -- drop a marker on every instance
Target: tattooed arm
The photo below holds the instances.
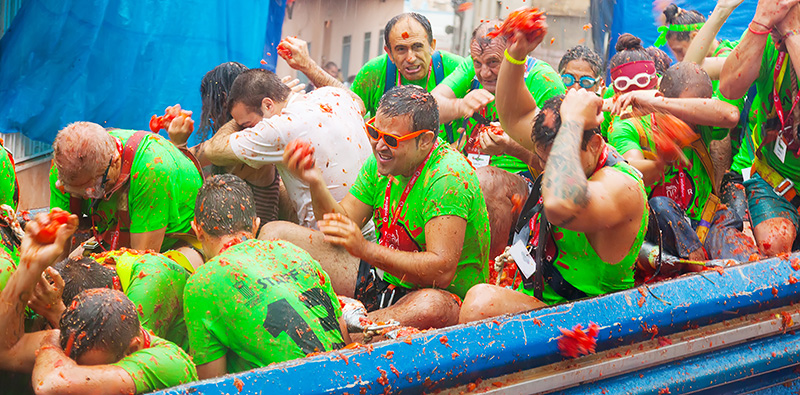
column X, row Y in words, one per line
column 571, row 199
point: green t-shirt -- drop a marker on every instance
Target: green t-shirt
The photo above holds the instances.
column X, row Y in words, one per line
column 608, row 118
column 580, row 265
column 688, row 187
column 162, row 365
column 790, row 167
column 8, row 180
column 154, row 283
column 542, row 82
column 260, row 302
column 447, row 185
column 751, row 139
column 7, row 267
column 371, row 79
column 163, row 188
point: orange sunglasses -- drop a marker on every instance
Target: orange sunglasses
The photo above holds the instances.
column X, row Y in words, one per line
column 390, row 139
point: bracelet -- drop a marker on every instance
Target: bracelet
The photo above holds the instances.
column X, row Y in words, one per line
column 761, row 24
column 790, row 33
column 512, row 60
column 757, row 33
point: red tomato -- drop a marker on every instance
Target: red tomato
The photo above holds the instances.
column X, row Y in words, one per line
column 530, row 21
column 162, row 122
column 284, row 52
column 305, row 148
column 48, row 226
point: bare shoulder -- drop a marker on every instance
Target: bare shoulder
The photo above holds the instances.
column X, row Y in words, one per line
column 622, row 190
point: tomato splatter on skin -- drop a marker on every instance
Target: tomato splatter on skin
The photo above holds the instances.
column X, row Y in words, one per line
column 576, row 342
column 239, row 384
column 404, row 35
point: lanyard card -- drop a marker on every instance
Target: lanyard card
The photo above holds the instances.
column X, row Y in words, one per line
column 780, row 149
column 524, row 260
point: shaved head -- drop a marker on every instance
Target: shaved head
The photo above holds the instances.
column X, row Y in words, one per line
column 82, row 149
column 686, row 79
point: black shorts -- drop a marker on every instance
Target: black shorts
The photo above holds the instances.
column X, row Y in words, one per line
column 375, row 293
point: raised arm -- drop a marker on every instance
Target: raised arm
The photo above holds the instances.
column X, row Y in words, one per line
column 218, row 149
column 743, row 65
column 451, row 107
column 571, row 200
column 516, row 107
column 697, row 111
column 701, row 44
column 17, row 348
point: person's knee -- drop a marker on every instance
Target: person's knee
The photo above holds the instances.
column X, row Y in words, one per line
column 775, row 236
column 478, row 300
column 434, row 308
column 276, row 230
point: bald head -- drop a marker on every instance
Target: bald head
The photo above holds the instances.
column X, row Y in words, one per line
column 80, row 150
column 687, row 80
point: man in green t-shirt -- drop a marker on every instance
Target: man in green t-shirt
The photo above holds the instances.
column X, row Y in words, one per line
column 101, row 347
column 468, row 94
column 427, row 207
column 156, row 200
column 772, row 189
column 254, row 302
column 683, row 195
column 153, row 282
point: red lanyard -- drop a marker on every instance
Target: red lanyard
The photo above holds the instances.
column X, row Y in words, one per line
column 403, row 196
column 776, row 98
column 427, row 80
column 602, row 160
column 145, row 338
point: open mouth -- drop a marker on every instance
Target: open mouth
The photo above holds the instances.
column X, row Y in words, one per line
column 384, row 156
column 413, row 69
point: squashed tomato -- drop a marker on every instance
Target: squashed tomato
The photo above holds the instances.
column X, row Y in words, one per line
column 670, row 135
column 576, row 342
column 158, row 122
column 284, row 51
column 305, row 148
column 530, row 21
column 48, row 225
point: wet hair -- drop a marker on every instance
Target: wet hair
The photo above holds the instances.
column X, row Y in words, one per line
column 252, row 86
column 584, row 53
column 99, row 318
column 548, row 122
column 486, row 27
column 678, row 16
column 660, row 58
column 214, row 90
column 426, row 24
column 82, row 148
column 411, row 100
column 629, row 49
column 80, row 275
column 686, row 77
column 224, row 206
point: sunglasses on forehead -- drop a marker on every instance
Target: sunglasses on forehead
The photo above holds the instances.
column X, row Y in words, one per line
column 390, row 139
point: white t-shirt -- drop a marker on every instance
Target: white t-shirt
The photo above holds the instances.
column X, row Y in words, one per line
column 329, row 119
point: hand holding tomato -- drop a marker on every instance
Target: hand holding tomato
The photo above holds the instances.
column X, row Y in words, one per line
column 525, row 30
column 298, row 156
column 295, row 52
column 47, row 236
column 163, row 121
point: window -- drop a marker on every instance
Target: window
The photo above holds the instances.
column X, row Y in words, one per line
column 367, row 43
column 380, row 43
column 346, row 56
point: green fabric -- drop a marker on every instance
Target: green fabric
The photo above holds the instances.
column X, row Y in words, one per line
column 162, row 191
column 371, row 79
column 447, row 186
column 750, row 141
column 625, row 137
column 260, row 302
column 162, row 365
column 542, row 82
column 8, row 180
column 664, row 30
column 579, row 264
column 7, row 268
column 154, row 283
column 764, row 84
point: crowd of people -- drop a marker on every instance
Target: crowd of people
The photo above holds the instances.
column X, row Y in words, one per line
column 436, row 190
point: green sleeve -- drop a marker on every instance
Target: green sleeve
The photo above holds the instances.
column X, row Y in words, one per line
column 57, row 198
column 8, row 180
column 370, row 82
column 365, row 188
column 162, row 365
column 201, row 315
column 543, row 82
column 446, row 196
column 624, row 136
column 461, row 78
column 156, row 288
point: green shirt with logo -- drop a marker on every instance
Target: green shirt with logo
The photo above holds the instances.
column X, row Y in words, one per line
column 447, row 185
column 162, row 191
column 260, row 302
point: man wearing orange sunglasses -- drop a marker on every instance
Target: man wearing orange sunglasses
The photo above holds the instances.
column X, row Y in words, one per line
column 425, row 201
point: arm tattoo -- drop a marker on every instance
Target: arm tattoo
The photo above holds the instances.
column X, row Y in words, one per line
column 564, row 175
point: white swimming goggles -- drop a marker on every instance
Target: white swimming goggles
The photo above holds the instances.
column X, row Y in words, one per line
column 642, row 80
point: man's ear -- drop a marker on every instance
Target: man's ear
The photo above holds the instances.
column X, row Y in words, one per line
column 256, row 224
column 266, row 106
column 135, row 345
column 429, row 137
column 198, row 231
column 433, row 45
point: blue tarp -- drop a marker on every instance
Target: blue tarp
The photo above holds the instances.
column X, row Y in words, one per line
column 642, row 19
column 117, row 62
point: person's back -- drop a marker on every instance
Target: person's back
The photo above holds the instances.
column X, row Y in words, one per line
column 261, row 302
